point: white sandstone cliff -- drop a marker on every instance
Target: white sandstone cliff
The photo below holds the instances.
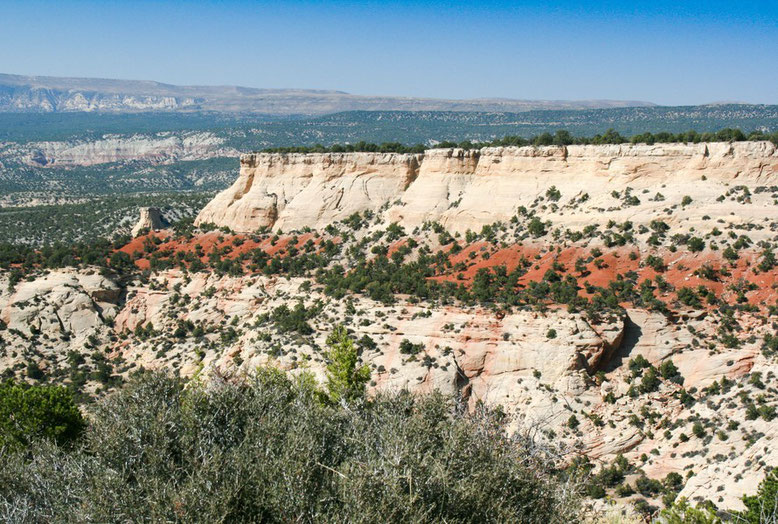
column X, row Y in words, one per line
column 151, row 219
column 469, row 189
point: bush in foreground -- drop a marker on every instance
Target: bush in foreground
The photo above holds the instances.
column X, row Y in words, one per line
column 270, row 450
column 37, row 412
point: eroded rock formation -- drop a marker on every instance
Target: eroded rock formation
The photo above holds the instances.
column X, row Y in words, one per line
column 469, row 189
column 150, row 220
column 505, row 359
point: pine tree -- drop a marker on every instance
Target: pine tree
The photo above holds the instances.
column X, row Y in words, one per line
column 346, row 380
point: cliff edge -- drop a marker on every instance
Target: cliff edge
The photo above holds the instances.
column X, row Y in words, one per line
column 467, row 189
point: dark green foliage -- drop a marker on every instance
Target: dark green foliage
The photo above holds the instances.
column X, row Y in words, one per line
column 561, row 137
column 763, row 507
column 669, row 371
column 408, row 348
column 43, row 225
column 650, row 382
column 386, row 147
column 770, row 345
column 638, row 364
column 673, row 481
column 595, row 491
column 268, row 450
column 730, row 254
column 608, row 477
column 97, row 253
column 28, row 413
column 34, row 371
column 768, row 260
column 536, row 227
column 295, row 319
column 688, row 297
column 695, row 244
column 381, row 278
column 648, row 487
column 656, row 262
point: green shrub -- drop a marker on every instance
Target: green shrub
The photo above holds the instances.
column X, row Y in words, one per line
column 688, row 297
column 695, row 244
column 650, row 382
column 763, row 507
column 345, row 379
column 638, row 364
column 536, row 227
column 296, row 319
column 682, row 513
column 648, row 487
column 28, row 413
column 267, row 450
column 409, row 348
column 669, row 371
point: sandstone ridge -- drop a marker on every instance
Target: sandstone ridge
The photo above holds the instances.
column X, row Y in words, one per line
column 467, row 189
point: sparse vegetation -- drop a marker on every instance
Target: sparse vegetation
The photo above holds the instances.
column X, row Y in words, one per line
column 156, row 450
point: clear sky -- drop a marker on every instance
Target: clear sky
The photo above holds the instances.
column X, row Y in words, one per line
column 669, row 52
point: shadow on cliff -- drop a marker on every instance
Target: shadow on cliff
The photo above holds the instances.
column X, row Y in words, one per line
column 632, row 334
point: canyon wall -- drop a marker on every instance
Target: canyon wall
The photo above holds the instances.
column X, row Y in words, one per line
column 298, row 190
column 467, row 189
column 159, row 148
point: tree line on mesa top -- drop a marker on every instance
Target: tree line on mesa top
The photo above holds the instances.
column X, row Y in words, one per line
column 560, row 138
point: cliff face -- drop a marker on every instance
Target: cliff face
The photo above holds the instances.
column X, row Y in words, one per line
column 294, row 191
column 159, row 148
column 500, row 358
column 469, row 189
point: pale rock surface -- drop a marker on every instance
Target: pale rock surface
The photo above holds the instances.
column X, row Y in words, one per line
column 67, row 300
column 500, row 359
column 297, row 190
column 160, row 148
column 469, row 189
column 47, row 317
column 150, row 220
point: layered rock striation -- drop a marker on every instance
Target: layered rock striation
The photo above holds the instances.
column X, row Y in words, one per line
column 160, row 148
column 298, row 190
column 467, row 189
column 151, row 219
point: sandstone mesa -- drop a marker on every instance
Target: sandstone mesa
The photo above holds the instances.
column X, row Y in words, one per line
column 502, row 358
column 467, row 189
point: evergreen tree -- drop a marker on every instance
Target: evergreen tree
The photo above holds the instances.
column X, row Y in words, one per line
column 346, row 380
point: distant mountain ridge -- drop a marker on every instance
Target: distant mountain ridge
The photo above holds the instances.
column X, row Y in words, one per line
column 61, row 94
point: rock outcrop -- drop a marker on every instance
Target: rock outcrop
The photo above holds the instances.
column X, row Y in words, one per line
column 298, row 190
column 159, row 148
column 502, row 358
column 150, row 220
column 467, row 189
column 44, row 319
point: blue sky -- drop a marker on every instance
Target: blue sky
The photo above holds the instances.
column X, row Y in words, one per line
column 660, row 51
